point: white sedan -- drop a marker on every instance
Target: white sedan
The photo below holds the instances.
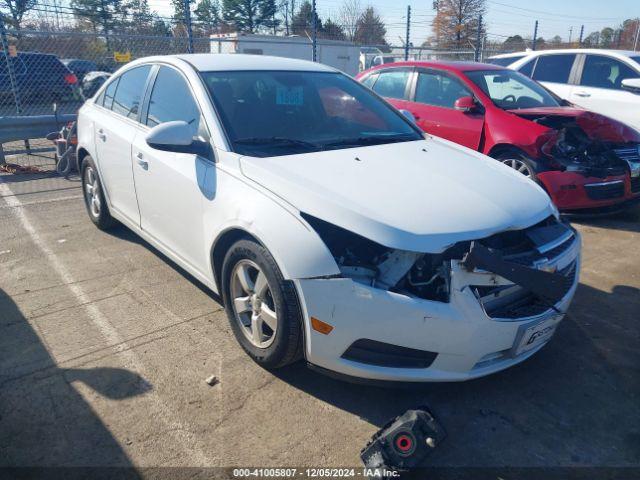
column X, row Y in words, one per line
column 331, row 227
column 603, row 81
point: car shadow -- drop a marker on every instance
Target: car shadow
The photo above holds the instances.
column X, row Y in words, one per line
column 577, row 397
column 44, row 421
column 628, row 220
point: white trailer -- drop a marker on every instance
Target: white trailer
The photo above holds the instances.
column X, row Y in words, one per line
column 335, row 53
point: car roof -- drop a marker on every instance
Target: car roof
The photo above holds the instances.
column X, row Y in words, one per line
column 444, row 65
column 601, row 51
column 209, row 62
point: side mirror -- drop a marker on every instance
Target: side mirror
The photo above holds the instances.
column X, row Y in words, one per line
column 465, row 105
column 177, row 137
column 632, row 85
column 409, row 115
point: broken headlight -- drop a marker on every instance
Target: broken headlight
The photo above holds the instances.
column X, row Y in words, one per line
column 417, row 274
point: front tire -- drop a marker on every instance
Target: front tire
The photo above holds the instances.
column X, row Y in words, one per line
column 519, row 162
column 262, row 307
column 93, row 194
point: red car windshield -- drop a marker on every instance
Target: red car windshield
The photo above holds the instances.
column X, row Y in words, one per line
column 511, row 90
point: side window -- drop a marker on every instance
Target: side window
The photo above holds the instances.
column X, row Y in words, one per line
column 554, row 68
column 527, row 68
column 605, row 72
column 106, row 97
column 129, row 92
column 171, row 99
column 440, row 90
column 392, row 83
column 370, row 80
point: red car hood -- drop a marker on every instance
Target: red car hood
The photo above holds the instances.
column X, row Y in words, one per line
column 594, row 125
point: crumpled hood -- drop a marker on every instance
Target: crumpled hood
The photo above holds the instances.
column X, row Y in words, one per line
column 594, row 125
column 421, row 196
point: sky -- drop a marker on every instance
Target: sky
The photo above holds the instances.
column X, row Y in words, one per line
column 504, row 17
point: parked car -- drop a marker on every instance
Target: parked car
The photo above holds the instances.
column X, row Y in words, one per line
column 80, row 67
column 582, row 159
column 329, row 225
column 92, row 81
column 38, row 76
column 604, row 81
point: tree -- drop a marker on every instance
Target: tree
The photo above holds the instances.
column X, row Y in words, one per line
column 208, row 13
column 556, row 41
column 250, row 15
column 17, row 9
column 302, row 22
column 332, row 31
column 370, row 29
column 106, row 14
column 456, row 22
column 592, row 40
column 606, row 36
column 350, row 13
column 515, row 43
column 179, row 12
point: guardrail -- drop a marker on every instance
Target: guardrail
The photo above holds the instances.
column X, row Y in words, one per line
column 14, row 129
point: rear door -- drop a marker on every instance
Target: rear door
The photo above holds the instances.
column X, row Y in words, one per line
column 556, row 72
column 171, row 186
column 116, row 123
column 600, row 89
column 434, row 96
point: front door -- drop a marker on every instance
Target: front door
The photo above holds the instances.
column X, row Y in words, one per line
column 171, row 186
column 433, row 107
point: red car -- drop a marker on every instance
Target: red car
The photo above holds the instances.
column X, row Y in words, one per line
column 582, row 159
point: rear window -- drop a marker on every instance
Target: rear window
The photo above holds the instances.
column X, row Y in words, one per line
column 44, row 63
column 19, row 68
column 554, row 68
column 504, row 62
column 392, row 83
column 129, row 92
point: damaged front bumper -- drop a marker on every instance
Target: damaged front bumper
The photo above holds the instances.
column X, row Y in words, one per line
column 577, row 191
column 382, row 335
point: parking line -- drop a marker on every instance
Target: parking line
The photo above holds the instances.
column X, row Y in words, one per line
column 197, row 456
column 38, row 202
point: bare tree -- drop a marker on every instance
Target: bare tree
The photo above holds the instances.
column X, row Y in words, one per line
column 350, row 12
column 456, row 22
column 17, row 9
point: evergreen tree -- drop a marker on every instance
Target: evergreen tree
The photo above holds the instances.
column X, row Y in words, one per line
column 250, row 15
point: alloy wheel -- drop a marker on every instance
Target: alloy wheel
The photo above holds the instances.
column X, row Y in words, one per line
column 518, row 165
column 92, row 191
column 252, row 303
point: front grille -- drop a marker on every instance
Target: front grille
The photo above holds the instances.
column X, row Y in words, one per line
column 605, row 191
column 383, row 354
column 635, row 184
column 630, row 154
column 522, row 304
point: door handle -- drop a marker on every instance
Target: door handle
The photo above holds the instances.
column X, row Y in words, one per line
column 141, row 162
column 582, row 94
column 101, row 135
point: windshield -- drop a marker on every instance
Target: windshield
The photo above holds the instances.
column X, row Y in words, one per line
column 504, row 61
column 271, row 113
column 511, row 90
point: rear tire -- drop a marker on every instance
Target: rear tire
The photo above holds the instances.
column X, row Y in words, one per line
column 262, row 307
column 519, row 162
column 93, row 195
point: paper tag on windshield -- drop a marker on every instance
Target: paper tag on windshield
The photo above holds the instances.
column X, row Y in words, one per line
column 289, row 96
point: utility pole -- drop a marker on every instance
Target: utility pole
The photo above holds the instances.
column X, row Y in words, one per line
column 314, row 39
column 635, row 43
column 105, row 24
column 535, row 35
column 286, row 17
column 10, row 71
column 187, row 21
column 570, row 34
column 581, row 34
column 478, row 39
column 406, row 41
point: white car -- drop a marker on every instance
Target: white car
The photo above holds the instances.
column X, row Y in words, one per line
column 603, row 81
column 331, row 227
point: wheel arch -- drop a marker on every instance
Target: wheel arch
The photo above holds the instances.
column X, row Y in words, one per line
column 221, row 246
column 81, row 153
